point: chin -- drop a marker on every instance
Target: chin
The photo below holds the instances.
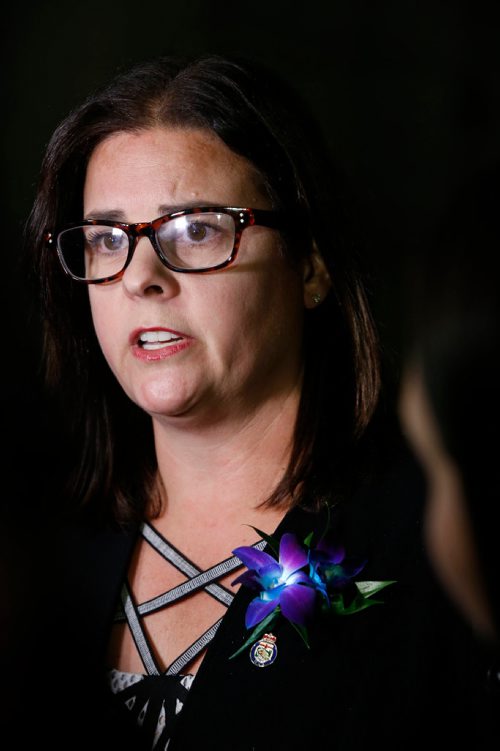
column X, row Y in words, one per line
column 165, row 408
column 162, row 398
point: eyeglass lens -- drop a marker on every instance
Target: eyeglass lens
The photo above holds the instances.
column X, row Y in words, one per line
column 193, row 241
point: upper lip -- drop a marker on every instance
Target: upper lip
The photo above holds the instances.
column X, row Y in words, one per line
column 135, row 335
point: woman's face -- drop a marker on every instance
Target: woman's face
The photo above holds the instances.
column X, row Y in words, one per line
column 448, row 529
column 234, row 336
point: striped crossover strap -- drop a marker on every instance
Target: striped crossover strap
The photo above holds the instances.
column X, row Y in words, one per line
column 197, row 580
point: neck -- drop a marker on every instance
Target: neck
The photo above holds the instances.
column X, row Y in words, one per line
column 227, row 469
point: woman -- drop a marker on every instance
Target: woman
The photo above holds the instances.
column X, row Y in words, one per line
column 211, row 339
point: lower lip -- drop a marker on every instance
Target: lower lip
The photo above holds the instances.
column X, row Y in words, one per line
column 153, row 355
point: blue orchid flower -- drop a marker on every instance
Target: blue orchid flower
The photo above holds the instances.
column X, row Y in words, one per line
column 284, row 587
column 280, row 583
column 329, row 570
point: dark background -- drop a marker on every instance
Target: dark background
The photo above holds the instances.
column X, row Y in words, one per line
column 407, row 94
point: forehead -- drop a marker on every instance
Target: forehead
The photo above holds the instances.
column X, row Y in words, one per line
column 170, row 166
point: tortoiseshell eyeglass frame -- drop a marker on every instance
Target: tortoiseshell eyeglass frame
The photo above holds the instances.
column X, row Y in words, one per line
column 242, row 217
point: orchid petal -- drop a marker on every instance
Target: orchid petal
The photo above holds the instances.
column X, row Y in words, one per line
column 273, row 593
column 346, row 570
column 318, row 582
column 247, row 578
column 271, row 576
column 253, row 558
column 330, row 552
column 292, row 554
column 351, row 568
column 296, row 602
column 339, row 576
column 299, row 577
column 337, row 582
column 258, row 610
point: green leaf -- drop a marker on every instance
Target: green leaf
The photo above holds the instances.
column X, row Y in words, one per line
column 357, row 605
column 258, row 630
column 360, row 602
column 308, row 539
column 271, row 541
column 369, row 588
column 336, row 605
column 302, row 631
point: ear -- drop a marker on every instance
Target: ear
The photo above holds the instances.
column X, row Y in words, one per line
column 317, row 282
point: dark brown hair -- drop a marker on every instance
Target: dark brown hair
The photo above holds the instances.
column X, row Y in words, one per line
column 258, row 117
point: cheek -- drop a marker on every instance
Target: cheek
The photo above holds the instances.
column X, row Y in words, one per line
column 252, row 302
column 264, row 316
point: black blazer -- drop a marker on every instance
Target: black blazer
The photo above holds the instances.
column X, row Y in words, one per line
column 407, row 672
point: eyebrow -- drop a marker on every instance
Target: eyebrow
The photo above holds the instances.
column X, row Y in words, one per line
column 117, row 215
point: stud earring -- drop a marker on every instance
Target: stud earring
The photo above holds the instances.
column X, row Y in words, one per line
column 316, row 298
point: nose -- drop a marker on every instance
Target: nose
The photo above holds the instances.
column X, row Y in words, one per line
column 146, row 275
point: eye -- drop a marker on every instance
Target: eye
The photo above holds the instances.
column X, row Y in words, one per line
column 105, row 240
column 188, row 232
column 193, row 230
column 197, row 231
column 197, row 241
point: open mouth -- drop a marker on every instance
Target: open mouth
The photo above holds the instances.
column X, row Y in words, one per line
column 151, row 340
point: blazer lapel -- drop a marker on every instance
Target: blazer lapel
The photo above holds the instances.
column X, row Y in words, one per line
column 249, row 697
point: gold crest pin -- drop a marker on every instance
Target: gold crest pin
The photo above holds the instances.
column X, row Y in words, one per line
column 264, row 651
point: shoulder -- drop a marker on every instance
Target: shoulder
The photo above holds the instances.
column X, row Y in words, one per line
column 65, row 586
column 382, row 518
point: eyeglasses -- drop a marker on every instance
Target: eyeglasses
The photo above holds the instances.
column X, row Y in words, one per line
column 190, row 241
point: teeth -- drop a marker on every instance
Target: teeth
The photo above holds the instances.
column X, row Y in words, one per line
column 157, row 339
